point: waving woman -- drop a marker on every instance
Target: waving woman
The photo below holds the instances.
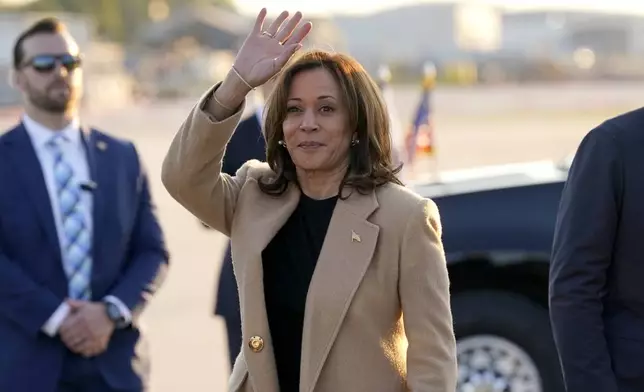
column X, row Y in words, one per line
column 341, row 272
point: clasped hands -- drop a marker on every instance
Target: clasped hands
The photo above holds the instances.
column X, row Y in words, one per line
column 87, row 329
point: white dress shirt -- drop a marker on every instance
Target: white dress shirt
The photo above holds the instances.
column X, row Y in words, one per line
column 73, row 150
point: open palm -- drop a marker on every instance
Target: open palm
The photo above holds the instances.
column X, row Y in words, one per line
column 265, row 52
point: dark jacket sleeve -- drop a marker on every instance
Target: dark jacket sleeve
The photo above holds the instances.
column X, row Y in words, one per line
column 148, row 256
column 247, row 143
column 582, row 253
column 22, row 299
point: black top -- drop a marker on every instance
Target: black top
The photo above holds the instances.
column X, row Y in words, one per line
column 288, row 262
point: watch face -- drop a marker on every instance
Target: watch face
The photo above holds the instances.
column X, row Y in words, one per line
column 114, row 314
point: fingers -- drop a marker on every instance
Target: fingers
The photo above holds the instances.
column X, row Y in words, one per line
column 299, row 34
column 88, row 347
column 283, row 58
column 259, row 22
column 82, row 341
column 75, row 304
column 73, row 324
column 75, row 343
column 286, row 30
column 92, row 348
column 272, row 29
column 74, row 338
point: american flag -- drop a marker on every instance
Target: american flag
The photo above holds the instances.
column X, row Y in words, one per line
column 420, row 140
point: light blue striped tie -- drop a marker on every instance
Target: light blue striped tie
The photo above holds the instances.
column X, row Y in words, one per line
column 76, row 250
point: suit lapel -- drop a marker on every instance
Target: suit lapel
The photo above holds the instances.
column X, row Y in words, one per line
column 97, row 150
column 266, row 215
column 345, row 256
column 29, row 172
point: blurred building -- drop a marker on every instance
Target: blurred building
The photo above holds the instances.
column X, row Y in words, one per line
column 212, row 27
column 184, row 52
column 325, row 35
column 594, row 43
column 410, row 35
column 485, row 43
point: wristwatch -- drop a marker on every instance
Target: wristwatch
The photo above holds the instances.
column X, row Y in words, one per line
column 114, row 314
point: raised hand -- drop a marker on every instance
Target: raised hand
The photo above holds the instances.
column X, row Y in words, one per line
column 266, row 51
column 262, row 56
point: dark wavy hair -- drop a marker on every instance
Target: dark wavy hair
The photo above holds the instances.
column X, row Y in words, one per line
column 370, row 161
column 49, row 25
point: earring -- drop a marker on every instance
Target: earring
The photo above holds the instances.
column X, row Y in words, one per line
column 281, row 143
column 355, row 142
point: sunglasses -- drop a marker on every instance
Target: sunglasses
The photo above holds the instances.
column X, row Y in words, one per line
column 47, row 62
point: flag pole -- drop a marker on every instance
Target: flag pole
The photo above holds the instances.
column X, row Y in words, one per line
column 395, row 126
column 421, row 141
column 384, row 76
column 429, row 83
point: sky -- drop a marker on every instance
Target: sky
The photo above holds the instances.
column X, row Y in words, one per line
column 318, row 7
column 362, row 6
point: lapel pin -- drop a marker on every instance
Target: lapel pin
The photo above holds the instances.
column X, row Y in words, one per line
column 101, row 145
column 354, row 236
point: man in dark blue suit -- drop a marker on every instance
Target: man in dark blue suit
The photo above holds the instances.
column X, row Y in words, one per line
column 81, row 251
column 597, row 270
column 246, row 143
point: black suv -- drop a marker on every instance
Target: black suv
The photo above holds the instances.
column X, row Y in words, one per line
column 498, row 224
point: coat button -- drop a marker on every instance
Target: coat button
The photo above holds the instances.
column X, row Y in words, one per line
column 256, row 343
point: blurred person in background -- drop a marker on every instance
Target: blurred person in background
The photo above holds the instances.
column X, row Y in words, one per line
column 81, row 251
column 328, row 201
column 597, row 271
column 247, row 143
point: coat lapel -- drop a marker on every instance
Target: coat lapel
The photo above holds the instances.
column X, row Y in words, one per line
column 346, row 254
column 267, row 215
column 29, row 173
column 99, row 171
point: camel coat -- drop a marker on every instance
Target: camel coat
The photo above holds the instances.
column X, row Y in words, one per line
column 382, row 257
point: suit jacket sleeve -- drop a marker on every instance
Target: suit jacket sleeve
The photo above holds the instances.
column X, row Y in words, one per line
column 192, row 167
column 245, row 144
column 582, row 252
column 147, row 263
column 424, row 294
column 232, row 161
column 22, row 300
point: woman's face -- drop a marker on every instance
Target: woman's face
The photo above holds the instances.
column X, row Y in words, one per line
column 316, row 127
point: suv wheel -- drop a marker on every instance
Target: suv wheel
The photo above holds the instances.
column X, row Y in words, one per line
column 504, row 344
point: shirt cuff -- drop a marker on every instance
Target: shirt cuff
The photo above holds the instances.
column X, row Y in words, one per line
column 52, row 325
column 125, row 312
